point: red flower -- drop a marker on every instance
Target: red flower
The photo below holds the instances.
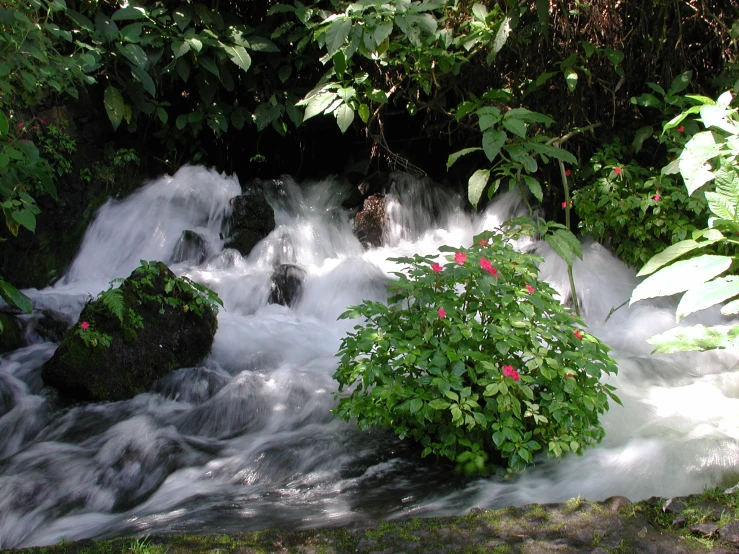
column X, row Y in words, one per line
column 442, row 313
column 508, row 371
column 530, row 289
column 42, row 121
column 681, row 129
column 460, row 257
column 657, row 198
column 483, row 242
column 579, row 334
column 566, row 204
column 568, row 172
column 487, row 266
column 436, row 268
column 569, row 375
column 617, row 170
column 19, row 126
column 85, row 326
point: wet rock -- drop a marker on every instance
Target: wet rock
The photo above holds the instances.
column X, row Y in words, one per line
column 191, row 247
column 52, row 325
column 369, row 223
column 705, row 529
column 617, row 503
column 252, row 220
column 730, row 532
column 168, row 337
column 673, row 506
column 287, row 285
column 193, row 385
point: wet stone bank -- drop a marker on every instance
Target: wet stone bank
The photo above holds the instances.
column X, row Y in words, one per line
column 687, row 525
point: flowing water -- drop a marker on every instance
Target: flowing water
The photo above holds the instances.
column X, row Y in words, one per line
column 247, row 440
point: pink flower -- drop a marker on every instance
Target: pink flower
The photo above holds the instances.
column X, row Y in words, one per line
column 568, row 172
column 42, row 121
column 530, row 289
column 566, row 204
column 579, row 334
column 483, row 242
column 436, row 268
column 617, row 170
column 20, row 126
column 657, row 197
column 460, row 257
column 569, row 375
column 442, row 313
column 85, row 326
column 508, row 371
column 681, row 129
column 487, row 266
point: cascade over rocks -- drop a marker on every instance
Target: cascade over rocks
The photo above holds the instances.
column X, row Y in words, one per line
column 370, row 221
column 287, row 285
column 170, row 337
column 252, row 220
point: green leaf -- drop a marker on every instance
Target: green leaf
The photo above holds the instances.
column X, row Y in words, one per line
column 105, row 27
column 318, row 104
column 640, row 136
column 162, row 115
column 82, row 21
column 456, row 155
column 14, row 297
column 181, row 18
column 731, row 308
column 552, row 152
column 534, row 187
column 707, row 294
column 261, row 44
column 680, row 83
column 697, row 337
column 128, row 13
column 337, row 33
column 681, row 276
column 364, row 112
column 377, row 95
column 480, row 12
column 180, row 48
column 382, row 32
column 492, row 142
column 135, row 54
column 239, row 56
column 515, row 126
column 344, row 117
column 198, row 46
column 647, row 100
column 3, row 125
column 501, row 36
column 132, row 32
column 145, row 79
column 565, row 245
column 114, row 105
column 25, row 218
column 208, row 63
column 721, row 206
column 693, row 160
column 571, row 79
column 667, row 255
column 477, row 184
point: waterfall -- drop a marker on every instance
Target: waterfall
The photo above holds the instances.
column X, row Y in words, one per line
column 247, row 440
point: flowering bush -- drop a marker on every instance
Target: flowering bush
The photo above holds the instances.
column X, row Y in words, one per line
column 476, row 360
column 637, row 211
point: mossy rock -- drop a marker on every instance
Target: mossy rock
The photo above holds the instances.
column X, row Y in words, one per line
column 11, row 337
column 169, row 336
column 252, row 220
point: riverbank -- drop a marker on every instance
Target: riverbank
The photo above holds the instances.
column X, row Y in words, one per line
column 695, row 524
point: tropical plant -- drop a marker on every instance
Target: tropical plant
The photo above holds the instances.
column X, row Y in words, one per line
column 710, row 163
column 476, row 360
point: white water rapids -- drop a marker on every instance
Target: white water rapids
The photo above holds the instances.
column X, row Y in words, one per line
column 247, row 441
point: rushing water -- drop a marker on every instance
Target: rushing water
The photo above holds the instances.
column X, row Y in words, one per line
column 247, row 440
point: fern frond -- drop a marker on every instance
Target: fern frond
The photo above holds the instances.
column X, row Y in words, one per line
column 113, row 300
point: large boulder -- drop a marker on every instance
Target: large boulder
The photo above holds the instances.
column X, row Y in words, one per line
column 252, row 219
column 164, row 324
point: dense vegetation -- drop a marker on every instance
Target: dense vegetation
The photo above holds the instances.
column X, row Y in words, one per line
column 578, row 104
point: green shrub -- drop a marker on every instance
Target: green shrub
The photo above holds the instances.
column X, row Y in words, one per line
column 476, row 360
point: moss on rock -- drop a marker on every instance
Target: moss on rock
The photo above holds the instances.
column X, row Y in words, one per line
column 158, row 334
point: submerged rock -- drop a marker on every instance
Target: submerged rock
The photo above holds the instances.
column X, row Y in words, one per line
column 191, row 247
column 369, row 223
column 161, row 331
column 252, row 220
column 11, row 335
column 287, row 285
